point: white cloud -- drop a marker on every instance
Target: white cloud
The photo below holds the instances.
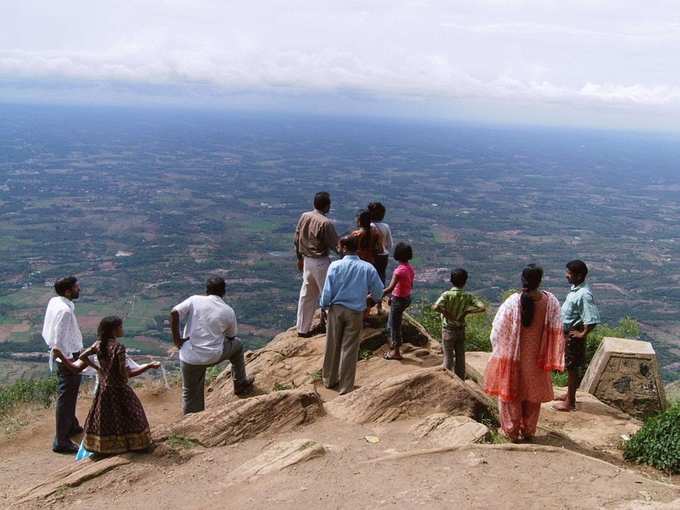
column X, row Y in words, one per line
column 609, row 53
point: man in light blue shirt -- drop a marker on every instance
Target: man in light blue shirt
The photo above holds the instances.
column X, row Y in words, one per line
column 348, row 283
column 579, row 317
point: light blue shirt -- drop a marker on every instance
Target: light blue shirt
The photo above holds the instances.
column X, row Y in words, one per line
column 348, row 283
column 579, row 308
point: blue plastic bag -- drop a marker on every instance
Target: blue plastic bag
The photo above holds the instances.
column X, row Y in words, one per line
column 82, row 452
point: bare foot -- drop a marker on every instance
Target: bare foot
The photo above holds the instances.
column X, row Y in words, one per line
column 562, row 397
column 393, row 355
column 564, row 407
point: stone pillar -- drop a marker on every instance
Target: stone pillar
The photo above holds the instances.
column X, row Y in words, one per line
column 625, row 374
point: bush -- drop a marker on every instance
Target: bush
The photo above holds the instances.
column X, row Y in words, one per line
column 478, row 330
column 477, row 327
column 40, row 391
column 626, row 328
column 560, row 379
column 657, row 443
column 211, row 374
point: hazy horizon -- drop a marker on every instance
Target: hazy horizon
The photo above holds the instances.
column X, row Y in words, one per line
column 574, row 63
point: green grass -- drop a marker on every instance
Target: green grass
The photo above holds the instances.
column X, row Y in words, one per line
column 657, row 443
column 281, row 387
column 477, row 326
column 27, row 391
column 211, row 374
column 316, row 376
column 365, row 354
column 178, row 442
column 560, row 379
column 478, row 331
column 626, row 328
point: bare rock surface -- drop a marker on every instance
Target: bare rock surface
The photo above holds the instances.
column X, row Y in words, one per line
column 593, row 426
column 72, row 476
column 279, row 457
column 246, row 418
column 287, row 362
column 445, row 430
column 409, row 395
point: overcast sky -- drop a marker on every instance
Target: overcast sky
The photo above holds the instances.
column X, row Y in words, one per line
column 590, row 62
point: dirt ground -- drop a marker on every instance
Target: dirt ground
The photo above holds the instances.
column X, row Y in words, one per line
column 348, row 476
column 27, row 456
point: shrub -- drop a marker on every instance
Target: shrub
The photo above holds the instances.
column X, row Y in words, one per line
column 211, row 374
column 560, row 378
column 626, row 328
column 478, row 330
column 40, row 391
column 477, row 327
column 657, row 443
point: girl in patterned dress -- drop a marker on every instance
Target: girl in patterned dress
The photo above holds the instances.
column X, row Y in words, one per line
column 116, row 422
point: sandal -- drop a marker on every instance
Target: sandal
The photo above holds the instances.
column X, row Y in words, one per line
column 389, row 357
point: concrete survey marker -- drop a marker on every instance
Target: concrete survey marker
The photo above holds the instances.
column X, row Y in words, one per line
column 625, row 374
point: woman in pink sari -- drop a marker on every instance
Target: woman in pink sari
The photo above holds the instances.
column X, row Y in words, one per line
column 528, row 344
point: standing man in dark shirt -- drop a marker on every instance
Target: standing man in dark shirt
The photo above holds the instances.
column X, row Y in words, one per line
column 315, row 236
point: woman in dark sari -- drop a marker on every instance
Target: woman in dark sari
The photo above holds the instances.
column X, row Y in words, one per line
column 116, row 422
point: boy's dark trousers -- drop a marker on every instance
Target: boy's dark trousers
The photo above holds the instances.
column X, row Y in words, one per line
column 453, row 345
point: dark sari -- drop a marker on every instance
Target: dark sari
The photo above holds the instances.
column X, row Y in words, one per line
column 116, row 422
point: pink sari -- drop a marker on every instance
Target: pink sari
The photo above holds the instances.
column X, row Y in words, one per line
column 502, row 376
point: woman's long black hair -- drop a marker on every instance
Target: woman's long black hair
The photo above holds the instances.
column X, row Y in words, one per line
column 364, row 222
column 107, row 331
column 531, row 280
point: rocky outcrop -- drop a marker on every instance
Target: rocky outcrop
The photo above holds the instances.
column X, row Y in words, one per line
column 288, row 361
column 279, row 457
column 72, row 476
column 238, row 420
column 416, row 393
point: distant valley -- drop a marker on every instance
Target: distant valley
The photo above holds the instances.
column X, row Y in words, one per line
column 142, row 205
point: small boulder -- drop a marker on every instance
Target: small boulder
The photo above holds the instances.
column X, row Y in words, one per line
column 279, row 457
column 445, row 430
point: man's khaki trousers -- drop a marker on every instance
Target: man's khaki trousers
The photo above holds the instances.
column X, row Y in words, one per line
column 343, row 334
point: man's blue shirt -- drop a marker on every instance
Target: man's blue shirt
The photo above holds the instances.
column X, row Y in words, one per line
column 348, row 283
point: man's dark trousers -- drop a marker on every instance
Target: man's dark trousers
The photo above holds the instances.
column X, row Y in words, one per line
column 67, row 397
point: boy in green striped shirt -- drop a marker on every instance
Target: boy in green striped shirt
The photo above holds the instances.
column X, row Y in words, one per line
column 454, row 305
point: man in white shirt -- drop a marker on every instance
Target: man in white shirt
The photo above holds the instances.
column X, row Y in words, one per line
column 62, row 333
column 209, row 338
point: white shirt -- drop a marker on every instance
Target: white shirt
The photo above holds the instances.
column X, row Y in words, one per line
column 386, row 232
column 207, row 321
column 61, row 330
column 90, row 370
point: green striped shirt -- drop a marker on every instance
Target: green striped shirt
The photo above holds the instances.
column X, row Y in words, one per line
column 457, row 304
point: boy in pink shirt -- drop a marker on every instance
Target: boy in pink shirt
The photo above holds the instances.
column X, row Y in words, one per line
column 400, row 288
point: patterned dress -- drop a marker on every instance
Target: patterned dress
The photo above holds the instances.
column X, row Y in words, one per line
column 116, row 422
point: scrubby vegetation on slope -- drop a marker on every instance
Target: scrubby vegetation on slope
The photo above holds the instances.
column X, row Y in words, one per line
column 40, row 391
column 657, row 443
column 478, row 332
